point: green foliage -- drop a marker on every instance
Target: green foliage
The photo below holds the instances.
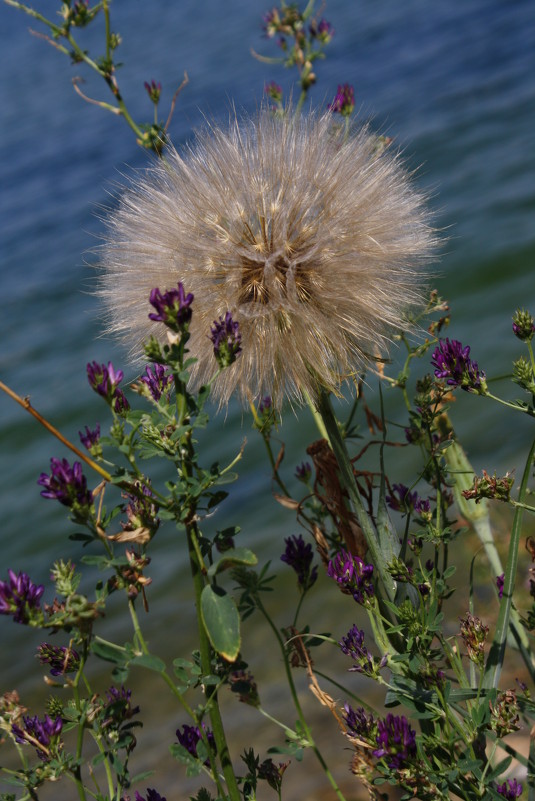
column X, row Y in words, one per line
column 444, row 681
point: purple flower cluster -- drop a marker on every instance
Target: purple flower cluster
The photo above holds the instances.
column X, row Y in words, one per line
column 152, row 795
column 402, row 500
column 273, row 91
column 243, row 684
column 20, row 596
column 61, row 660
column 43, row 734
column 226, row 339
column 353, row 646
column 91, row 438
column 153, row 90
column 157, row 380
column 511, row 789
column 190, row 736
column 353, row 575
column 299, row 555
column 452, row 362
column 393, row 736
column 359, row 723
column 303, row 472
column 396, row 741
column 323, row 31
column 523, row 325
column 118, row 706
column 266, row 405
column 344, row 101
column 172, row 308
column 68, row 485
column 141, row 510
column 500, row 581
column 105, row 381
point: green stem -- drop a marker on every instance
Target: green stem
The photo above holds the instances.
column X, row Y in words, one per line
column 318, row 419
column 206, row 660
column 495, row 659
column 299, row 106
column 510, row 405
column 140, row 640
column 106, row 9
column 297, row 704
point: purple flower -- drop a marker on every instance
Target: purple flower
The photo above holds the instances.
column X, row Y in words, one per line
column 153, row 90
column 105, row 381
column 273, row 91
column 157, row 380
column 152, row 795
column 118, row 707
column 396, row 741
column 500, row 581
column 452, row 362
column 68, row 485
column 172, row 308
column 344, row 101
column 141, row 510
column 91, row 437
column 61, row 660
column 272, row 23
column 510, row 789
column 243, row 684
column 43, row 734
column 303, row 472
column 359, row 723
column 322, row 30
column 226, row 339
column 353, row 575
column 353, row 645
column 298, row 555
column 266, row 404
column 20, row 596
column 402, row 500
column 190, row 736
column 523, row 325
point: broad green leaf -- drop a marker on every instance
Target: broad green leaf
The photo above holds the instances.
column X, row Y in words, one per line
column 109, row 652
column 231, row 558
column 150, row 662
column 221, row 621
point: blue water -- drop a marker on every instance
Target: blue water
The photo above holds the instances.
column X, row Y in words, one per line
column 453, row 83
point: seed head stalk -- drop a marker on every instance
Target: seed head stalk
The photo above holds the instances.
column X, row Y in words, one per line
column 348, row 481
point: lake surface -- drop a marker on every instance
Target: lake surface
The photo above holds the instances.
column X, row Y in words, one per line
column 453, row 83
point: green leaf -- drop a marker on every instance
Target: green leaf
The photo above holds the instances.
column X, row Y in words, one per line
column 109, row 653
column 231, row 558
column 193, row 765
column 221, row 621
column 150, row 662
column 102, row 562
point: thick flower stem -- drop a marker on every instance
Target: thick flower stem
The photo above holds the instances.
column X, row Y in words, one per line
column 347, row 477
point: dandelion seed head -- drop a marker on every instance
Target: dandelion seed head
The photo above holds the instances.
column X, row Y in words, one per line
column 314, row 243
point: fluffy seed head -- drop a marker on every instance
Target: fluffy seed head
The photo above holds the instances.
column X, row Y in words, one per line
column 313, row 242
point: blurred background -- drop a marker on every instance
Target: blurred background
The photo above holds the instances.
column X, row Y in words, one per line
column 454, row 85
